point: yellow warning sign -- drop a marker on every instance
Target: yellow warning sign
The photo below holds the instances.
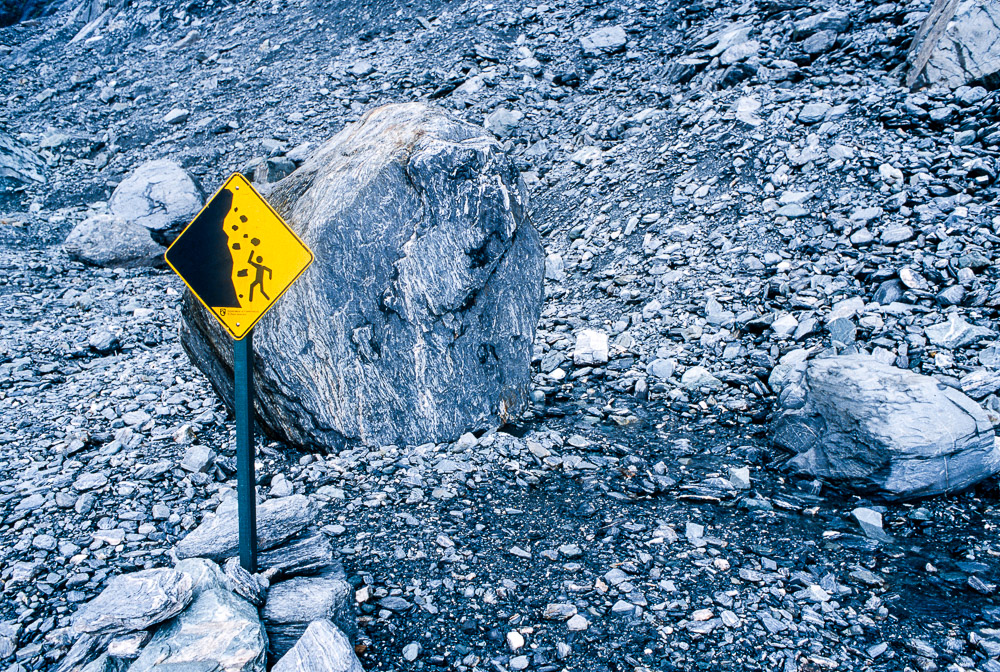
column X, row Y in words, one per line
column 238, row 256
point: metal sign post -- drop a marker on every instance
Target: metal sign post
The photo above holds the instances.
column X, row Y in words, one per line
column 238, row 257
column 246, row 482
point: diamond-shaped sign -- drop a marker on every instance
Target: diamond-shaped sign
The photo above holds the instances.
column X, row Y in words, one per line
column 238, row 256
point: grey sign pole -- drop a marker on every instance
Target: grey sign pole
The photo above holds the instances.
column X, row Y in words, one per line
column 246, row 484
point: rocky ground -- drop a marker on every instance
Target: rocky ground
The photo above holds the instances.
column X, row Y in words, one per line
column 717, row 187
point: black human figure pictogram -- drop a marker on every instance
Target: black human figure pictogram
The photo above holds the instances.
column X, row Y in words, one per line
column 259, row 278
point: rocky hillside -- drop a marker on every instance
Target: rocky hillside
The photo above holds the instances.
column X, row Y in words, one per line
column 727, row 197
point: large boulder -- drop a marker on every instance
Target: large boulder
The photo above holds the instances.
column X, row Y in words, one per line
column 159, row 196
column 969, row 49
column 415, row 323
column 147, row 211
column 106, row 240
column 882, row 430
column 19, row 167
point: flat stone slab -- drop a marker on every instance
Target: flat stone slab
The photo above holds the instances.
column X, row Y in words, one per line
column 135, row 602
column 309, row 553
column 218, row 536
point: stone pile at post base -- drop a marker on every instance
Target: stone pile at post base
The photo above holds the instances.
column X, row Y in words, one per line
column 199, row 616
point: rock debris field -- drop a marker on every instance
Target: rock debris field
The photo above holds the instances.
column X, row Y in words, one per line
column 757, row 431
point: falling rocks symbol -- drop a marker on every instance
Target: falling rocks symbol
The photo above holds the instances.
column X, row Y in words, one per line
column 238, row 256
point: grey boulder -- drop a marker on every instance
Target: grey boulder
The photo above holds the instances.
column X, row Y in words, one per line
column 135, row 601
column 835, row 21
column 969, row 49
column 218, row 631
column 106, row 240
column 956, row 333
column 608, row 40
column 322, row 648
column 218, row 536
column 147, row 211
column 159, row 196
column 293, row 604
column 19, row 167
column 416, row 320
column 883, row 430
column 503, row 122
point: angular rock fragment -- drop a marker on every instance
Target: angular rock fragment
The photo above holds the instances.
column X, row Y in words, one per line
column 218, row 630
column 956, row 332
column 503, row 122
column 135, row 601
column 558, row 611
column 870, row 522
column 416, row 321
column 197, row 458
column 608, row 40
column 322, row 648
column 591, row 348
column 218, row 536
column 87, row 647
column 981, row 383
column 876, row 428
column 251, row 587
column 835, row 21
column 698, row 377
column 103, row 342
column 813, row 113
column 177, row 115
column 819, row 42
column 8, row 639
column 293, row 604
column 19, row 167
column 129, row 645
column 204, row 574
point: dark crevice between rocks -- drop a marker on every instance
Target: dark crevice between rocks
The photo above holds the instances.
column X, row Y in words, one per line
column 15, row 11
